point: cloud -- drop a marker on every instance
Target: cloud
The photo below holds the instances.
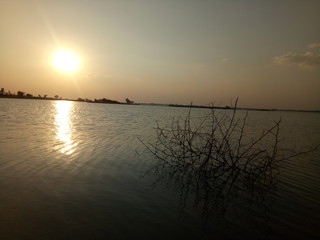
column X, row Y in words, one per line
column 225, row 60
column 308, row 60
column 314, row 45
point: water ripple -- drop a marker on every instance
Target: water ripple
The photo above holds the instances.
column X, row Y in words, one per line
column 73, row 167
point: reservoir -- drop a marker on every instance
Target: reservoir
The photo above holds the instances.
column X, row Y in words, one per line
column 76, row 170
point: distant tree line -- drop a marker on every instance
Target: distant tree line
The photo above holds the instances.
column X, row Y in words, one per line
column 104, row 100
column 21, row 94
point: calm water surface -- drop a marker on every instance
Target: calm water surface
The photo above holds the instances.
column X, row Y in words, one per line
column 72, row 170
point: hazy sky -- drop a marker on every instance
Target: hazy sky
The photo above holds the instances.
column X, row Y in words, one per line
column 267, row 53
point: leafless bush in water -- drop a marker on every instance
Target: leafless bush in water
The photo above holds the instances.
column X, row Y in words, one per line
column 214, row 159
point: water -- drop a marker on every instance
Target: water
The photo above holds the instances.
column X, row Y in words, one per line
column 73, row 170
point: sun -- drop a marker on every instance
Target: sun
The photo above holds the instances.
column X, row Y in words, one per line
column 66, row 61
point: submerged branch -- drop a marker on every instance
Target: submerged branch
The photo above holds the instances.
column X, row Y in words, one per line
column 214, row 158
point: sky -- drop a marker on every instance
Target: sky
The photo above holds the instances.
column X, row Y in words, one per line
column 267, row 53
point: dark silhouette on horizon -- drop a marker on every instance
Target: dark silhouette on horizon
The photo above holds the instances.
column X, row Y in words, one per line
column 23, row 95
column 128, row 101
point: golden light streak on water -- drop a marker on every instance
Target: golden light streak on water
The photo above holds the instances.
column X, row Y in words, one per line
column 63, row 125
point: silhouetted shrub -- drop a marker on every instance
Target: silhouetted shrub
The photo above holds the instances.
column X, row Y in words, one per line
column 215, row 159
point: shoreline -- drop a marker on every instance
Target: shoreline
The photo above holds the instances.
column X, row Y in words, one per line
column 107, row 101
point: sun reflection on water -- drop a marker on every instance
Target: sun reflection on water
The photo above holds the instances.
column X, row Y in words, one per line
column 64, row 127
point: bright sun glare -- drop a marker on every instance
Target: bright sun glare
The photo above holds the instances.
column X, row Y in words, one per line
column 66, row 61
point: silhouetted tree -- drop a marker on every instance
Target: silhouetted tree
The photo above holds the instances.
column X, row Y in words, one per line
column 129, row 101
column 105, row 100
column 20, row 94
column 56, row 96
